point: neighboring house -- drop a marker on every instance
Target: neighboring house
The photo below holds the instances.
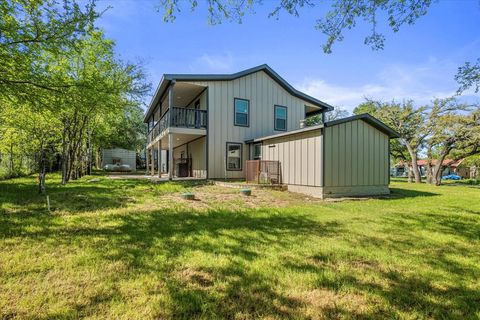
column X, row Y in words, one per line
column 210, row 125
column 448, row 167
column 118, row 156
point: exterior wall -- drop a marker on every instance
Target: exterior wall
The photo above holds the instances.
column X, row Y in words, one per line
column 312, row 191
column 300, row 157
column 196, row 149
column 127, row 157
column 263, row 93
column 356, row 160
column 203, row 101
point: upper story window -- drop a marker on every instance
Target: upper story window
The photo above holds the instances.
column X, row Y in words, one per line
column 242, row 111
column 280, row 118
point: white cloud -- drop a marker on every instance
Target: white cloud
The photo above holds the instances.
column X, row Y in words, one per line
column 216, row 63
column 421, row 83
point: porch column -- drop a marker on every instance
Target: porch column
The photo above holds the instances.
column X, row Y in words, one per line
column 152, row 161
column 170, row 156
column 147, row 161
column 159, row 158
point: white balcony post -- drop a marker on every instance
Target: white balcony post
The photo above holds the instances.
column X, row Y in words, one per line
column 152, row 161
column 159, row 158
column 170, row 156
column 170, row 102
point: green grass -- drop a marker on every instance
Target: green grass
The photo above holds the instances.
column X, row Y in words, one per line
column 130, row 249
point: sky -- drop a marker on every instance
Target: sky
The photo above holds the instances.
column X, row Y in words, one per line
column 419, row 62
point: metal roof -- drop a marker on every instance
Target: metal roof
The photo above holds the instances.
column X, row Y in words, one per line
column 364, row 116
column 167, row 78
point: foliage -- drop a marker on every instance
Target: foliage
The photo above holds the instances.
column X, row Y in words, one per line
column 454, row 131
column 74, row 94
column 342, row 16
column 468, row 76
column 28, row 30
column 443, row 128
column 336, row 113
column 132, row 249
column 369, row 106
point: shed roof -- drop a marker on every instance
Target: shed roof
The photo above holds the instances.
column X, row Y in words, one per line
column 168, row 78
column 374, row 122
column 364, row 116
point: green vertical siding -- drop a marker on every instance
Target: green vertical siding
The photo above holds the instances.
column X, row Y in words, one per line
column 356, row 154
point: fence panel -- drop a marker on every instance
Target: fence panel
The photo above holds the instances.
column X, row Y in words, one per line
column 263, row 172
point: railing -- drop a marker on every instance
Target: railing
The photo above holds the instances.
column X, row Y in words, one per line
column 181, row 117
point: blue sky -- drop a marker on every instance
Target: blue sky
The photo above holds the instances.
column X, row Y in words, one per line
column 419, row 62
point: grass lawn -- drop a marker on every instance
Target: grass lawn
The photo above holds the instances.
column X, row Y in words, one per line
column 130, row 249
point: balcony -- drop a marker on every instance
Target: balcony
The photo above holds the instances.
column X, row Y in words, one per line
column 181, row 118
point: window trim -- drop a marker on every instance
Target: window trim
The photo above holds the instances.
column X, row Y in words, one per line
column 235, row 113
column 275, row 117
column 226, row 155
column 253, row 151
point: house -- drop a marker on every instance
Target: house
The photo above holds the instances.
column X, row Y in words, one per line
column 449, row 167
column 209, row 125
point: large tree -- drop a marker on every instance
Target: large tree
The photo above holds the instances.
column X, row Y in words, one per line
column 28, row 31
column 342, row 15
column 64, row 78
column 454, row 132
column 444, row 128
column 408, row 121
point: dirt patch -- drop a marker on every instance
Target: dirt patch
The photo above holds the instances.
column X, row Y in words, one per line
column 327, row 304
column 195, row 278
column 213, row 197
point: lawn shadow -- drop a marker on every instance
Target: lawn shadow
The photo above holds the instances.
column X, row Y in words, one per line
column 400, row 193
column 401, row 290
column 75, row 197
column 230, row 289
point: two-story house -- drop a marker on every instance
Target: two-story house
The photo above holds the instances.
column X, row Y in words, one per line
column 210, row 124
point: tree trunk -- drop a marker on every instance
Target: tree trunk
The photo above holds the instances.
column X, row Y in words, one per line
column 98, row 159
column 409, row 174
column 89, row 153
column 429, row 172
column 42, row 173
column 414, row 156
column 11, row 159
column 438, row 169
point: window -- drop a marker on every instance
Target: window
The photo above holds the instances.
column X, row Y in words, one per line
column 280, row 118
column 257, row 151
column 242, row 109
column 234, row 156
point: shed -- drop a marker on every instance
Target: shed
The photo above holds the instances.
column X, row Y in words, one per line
column 340, row 158
column 119, row 156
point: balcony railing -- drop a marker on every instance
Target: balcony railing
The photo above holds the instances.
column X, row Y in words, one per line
column 181, row 117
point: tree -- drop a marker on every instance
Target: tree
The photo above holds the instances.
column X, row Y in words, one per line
column 468, row 76
column 336, row 113
column 408, row 122
column 369, row 106
column 105, row 88
column 398, row 150
column 343, row 15
column 28, row 30
column 35, row 135
column 74, row 84
column 443, row 128
column 454, row 131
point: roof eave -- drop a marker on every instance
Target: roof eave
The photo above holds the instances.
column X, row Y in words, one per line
column 392, row 134
column 233, row 76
